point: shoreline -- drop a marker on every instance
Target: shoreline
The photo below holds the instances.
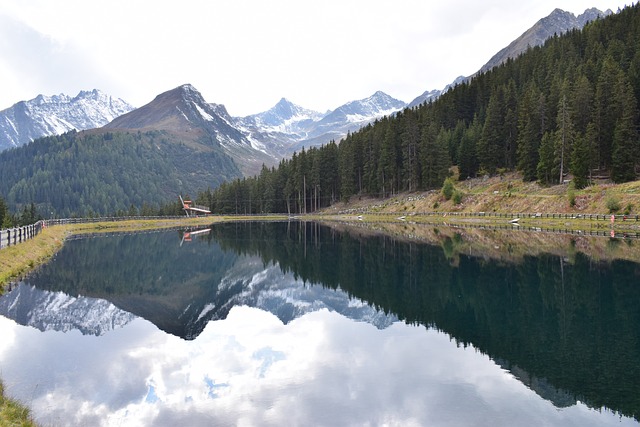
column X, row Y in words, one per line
column 17, row 261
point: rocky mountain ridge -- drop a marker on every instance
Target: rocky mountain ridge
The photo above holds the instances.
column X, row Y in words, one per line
column 257, row 139
column 57, row 114
column 184, row 112
column 558, row 22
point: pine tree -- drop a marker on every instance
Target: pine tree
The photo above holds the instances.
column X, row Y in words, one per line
column 467, row 157
column 605, row 111
column 546, row 165
column 4, row 212
column 625, row 138
column 529, row 132
column 581, row 103
column 490, row 146
column 564, row 137
column 410, row 143
column 581, row 158
column 347, row 171
column 388, row 166
column 455, row 141
column 435, row 162
column 510, row 126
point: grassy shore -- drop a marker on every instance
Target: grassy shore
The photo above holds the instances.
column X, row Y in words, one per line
column 20, row 259
column 13, row 413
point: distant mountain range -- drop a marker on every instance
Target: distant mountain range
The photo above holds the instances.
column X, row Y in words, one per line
column 177, row 144
column 252, row 140
column 287, row 127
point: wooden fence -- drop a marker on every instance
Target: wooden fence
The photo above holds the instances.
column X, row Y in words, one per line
column 13, row 236
column 593, row 217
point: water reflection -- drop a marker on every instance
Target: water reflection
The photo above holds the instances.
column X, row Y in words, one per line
column 57, row 311
column 178, row 280
column 251, row 369
column 563, row 327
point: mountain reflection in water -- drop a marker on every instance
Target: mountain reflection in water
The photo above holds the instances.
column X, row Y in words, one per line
column 567, row 327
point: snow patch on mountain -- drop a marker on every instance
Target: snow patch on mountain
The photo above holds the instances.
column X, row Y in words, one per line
column 208, row 117
column 285, row 117
column 57, row 114
column 57, row 311
column 207, row 308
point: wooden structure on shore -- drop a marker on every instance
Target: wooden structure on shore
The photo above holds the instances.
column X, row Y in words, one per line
column 190, row 209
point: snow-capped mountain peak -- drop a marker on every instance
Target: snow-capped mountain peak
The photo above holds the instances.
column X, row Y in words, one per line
column 364, row 110
column 377, row 105
column 285, row 117
column 53, row 115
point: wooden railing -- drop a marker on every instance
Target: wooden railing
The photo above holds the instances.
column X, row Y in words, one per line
column 13, row 236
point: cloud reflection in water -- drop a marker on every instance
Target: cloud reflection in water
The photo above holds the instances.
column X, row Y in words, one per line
column 251, row 369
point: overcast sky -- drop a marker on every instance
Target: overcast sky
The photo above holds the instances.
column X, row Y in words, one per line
column 249, row 54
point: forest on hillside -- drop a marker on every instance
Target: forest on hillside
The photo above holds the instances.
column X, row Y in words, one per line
column 565, row 110
column 107, row 173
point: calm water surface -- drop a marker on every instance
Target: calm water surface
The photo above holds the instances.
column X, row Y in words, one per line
column 301, row 324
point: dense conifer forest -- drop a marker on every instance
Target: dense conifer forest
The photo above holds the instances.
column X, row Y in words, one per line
column 566, row 110
column 106, row 173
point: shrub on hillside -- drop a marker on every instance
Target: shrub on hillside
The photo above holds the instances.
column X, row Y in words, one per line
column 448, row 188
column 457, row 197
column 613, row 203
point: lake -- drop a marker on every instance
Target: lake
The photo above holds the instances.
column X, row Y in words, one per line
column 294, row 323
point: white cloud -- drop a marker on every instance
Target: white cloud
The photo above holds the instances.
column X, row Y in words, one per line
column 249, row 54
